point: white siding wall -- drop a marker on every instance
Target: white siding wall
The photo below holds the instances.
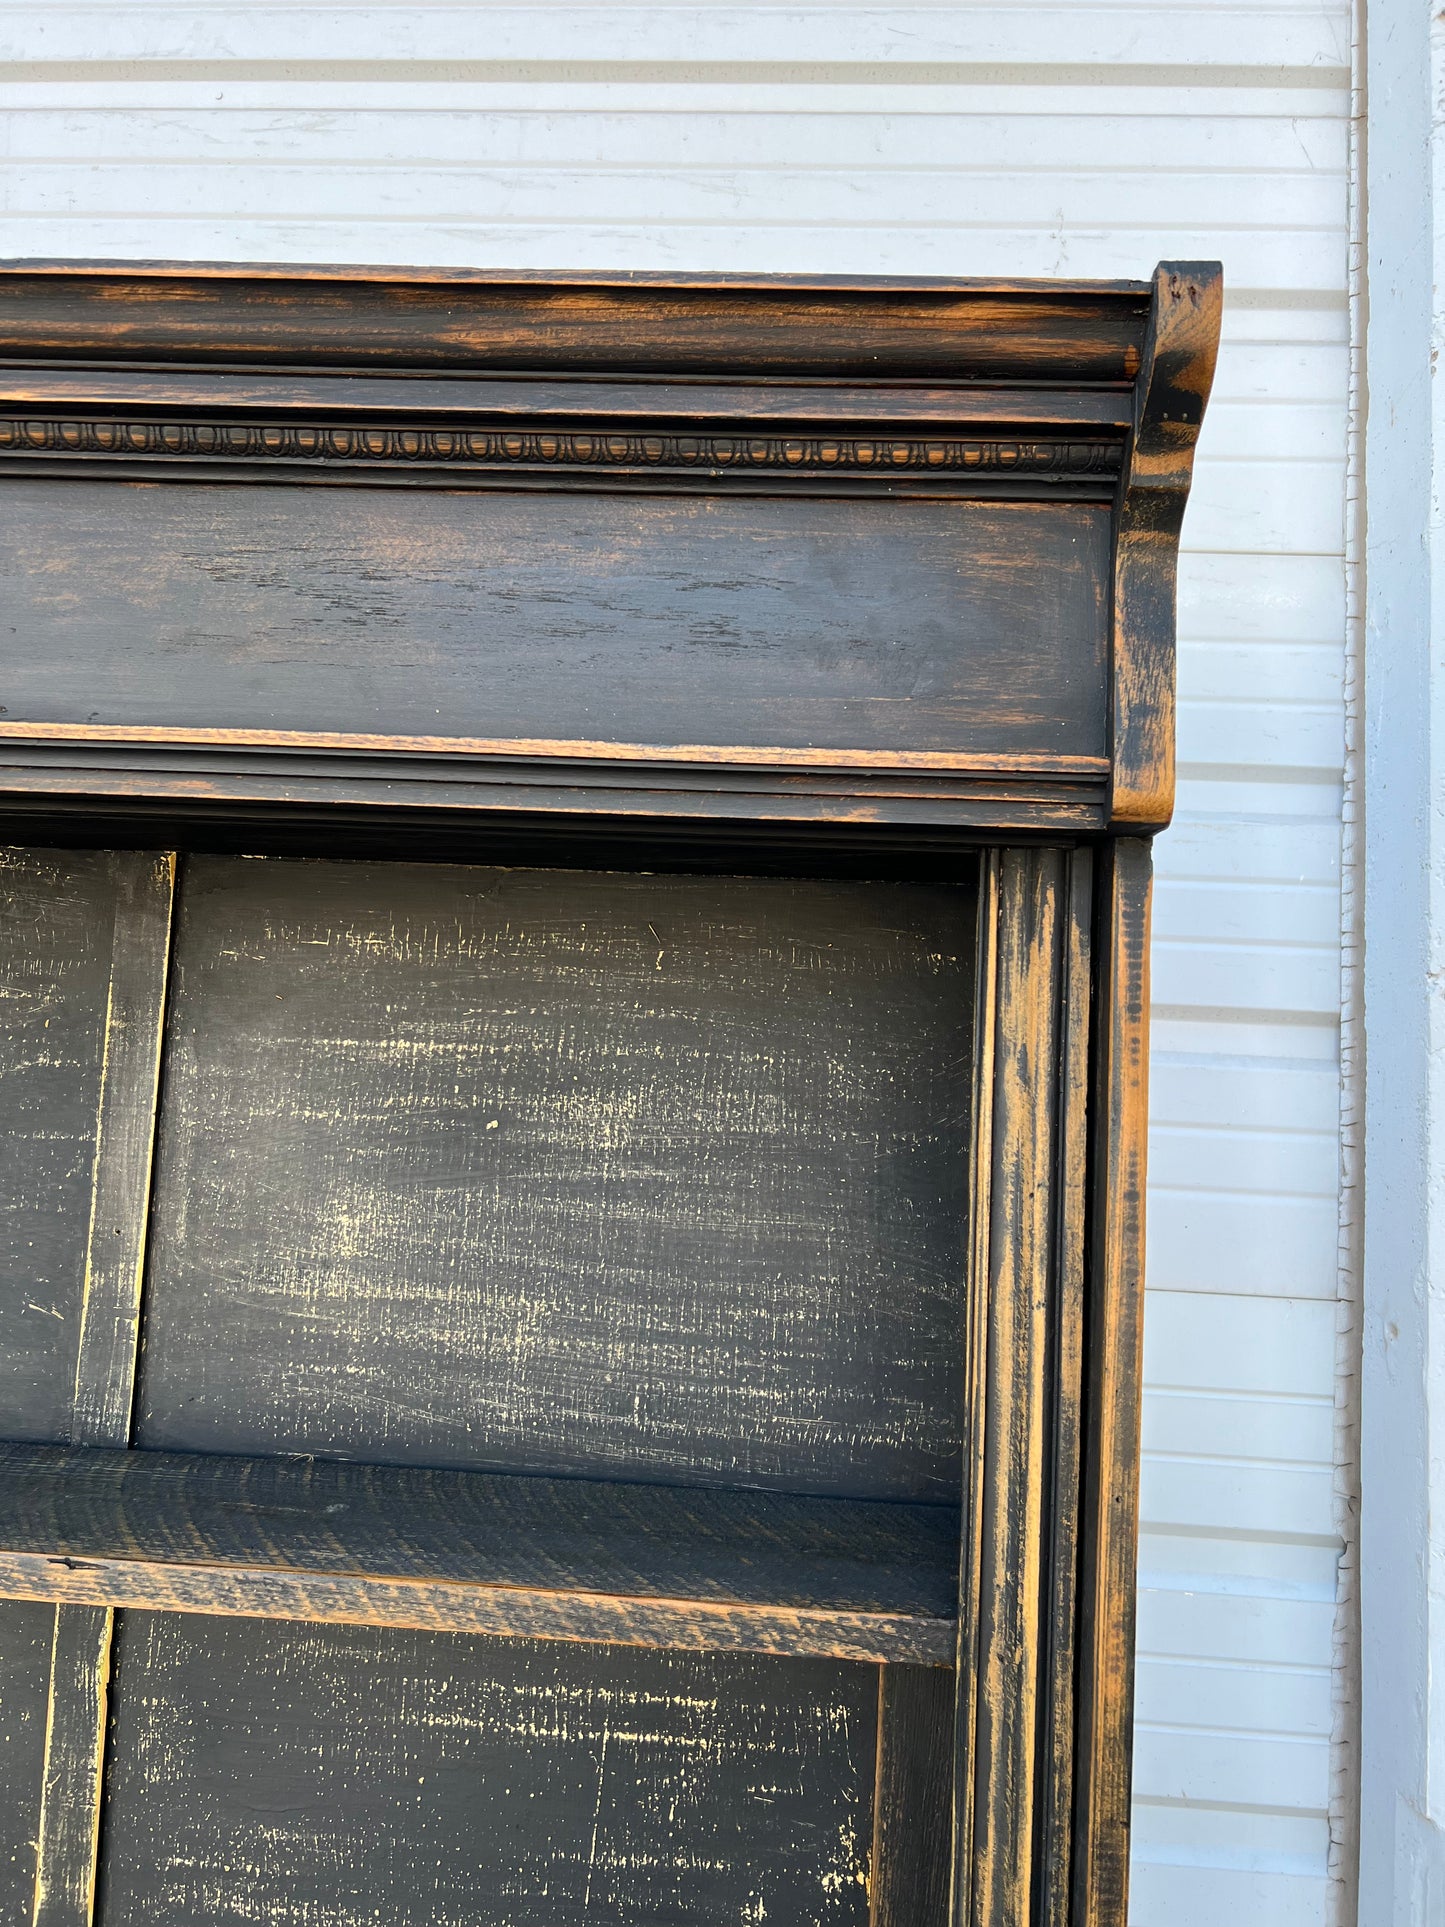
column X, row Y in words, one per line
column 1005, row 139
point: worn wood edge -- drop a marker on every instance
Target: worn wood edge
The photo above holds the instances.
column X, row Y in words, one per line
column 459, row 396
column 48, row 801
column 400, row 774
column 1173, row 389
column 694, row 1625
column 71, row 1787
column 109, row 1333
column 976, row 1309
column 387, row 274
column 1022, row 1280
column 75, row 779
column 1114, row 1369
column 339, row 1518
column 726, row 755
column 870, row 326
column 1066, row 1391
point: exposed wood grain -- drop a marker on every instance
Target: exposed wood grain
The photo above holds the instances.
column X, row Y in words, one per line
column 970, row 1773
column 561, row 1171
column 574, row 1559
column 911, row 1814
column 397, row 806
column 472, row 398
column 1065, row 1410
column 1169, row 402
column 1115, row 1320
column 429, row 318
column 71, row 1784
column 1020, row 1277
column 305, row 1774
column 1014, row 1695
column 685, row 1625
column 725, row 755
column 809, row 624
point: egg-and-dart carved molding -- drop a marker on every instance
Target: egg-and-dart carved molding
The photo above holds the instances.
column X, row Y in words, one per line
column 322, row 443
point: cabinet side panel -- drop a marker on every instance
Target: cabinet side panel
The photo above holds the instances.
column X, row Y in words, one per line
column 1113, row 1372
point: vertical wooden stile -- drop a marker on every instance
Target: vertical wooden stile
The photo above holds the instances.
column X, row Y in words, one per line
column 105, row 1370
column 1021, row 1234
column 1113, row 1367
column 1012, row 1803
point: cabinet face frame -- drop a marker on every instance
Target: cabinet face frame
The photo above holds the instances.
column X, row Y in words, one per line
column 1054, row 1292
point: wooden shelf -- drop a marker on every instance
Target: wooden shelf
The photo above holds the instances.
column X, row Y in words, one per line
column 479, row 1552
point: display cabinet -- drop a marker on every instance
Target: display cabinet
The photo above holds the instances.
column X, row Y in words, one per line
column 574, row 991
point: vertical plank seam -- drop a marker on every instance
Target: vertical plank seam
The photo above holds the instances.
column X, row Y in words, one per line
column 1066, row 1343
column 1020, row 1287
column 79, row 1688
column 107, row 1348
column 875, row 1865
column 961, row 1883
column 105, row 1384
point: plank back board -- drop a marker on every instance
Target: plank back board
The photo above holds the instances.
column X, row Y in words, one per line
column 57, row 938
column 648, row 1176
column 305, row 1774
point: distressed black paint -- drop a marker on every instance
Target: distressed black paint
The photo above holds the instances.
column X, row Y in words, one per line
column 652, row 1176
column 624, row 618
column 304, row 1776
column 55, row 962
column 26, row 1630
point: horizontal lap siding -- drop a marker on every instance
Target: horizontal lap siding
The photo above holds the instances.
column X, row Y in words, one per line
column 961, row 139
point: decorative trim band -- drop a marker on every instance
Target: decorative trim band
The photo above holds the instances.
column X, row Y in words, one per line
column 322, row 443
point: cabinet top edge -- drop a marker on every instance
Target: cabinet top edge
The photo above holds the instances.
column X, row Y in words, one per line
column 871, row 326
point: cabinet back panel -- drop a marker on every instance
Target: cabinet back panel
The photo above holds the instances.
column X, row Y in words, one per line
column 806, row 623
column 26, row 1633
column 325, row 1776
column 655, row 1176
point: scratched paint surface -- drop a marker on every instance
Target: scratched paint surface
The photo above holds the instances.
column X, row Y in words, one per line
column 55, row 957
column 25, row 1639
column 569, row 1171
column 56, row 927
column 315, row 1776
column 627, row 617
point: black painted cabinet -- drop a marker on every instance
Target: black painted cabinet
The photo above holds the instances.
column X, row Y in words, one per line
column 573, row 1042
